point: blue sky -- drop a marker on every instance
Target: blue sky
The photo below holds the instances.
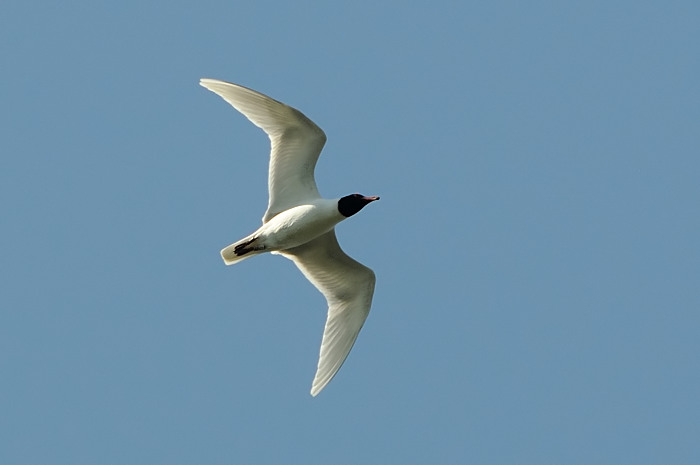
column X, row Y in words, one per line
column 536, row 245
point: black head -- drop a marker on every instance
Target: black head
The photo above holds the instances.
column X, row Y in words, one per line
column 353, row 203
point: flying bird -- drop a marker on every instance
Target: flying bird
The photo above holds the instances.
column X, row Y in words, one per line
column 300, row 225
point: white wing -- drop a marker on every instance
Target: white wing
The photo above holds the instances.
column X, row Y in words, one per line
column 348, row 287
column 296, row 144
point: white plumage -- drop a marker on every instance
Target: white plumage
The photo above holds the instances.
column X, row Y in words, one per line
column 299, row 224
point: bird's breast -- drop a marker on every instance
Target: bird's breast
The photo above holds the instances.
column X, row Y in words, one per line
column 299, row 225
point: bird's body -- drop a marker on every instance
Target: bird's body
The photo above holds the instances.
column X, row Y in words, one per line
column 288, row 229
column 300, row 225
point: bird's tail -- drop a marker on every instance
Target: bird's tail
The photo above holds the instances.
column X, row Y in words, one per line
column 239, row 251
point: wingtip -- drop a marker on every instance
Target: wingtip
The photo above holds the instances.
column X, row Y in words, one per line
column 316, row 389
column 318, row 385
column 206, row 82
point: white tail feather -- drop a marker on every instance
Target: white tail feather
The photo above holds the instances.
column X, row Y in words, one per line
column 240, row 250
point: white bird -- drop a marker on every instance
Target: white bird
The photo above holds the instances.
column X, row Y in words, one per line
column 300, row 225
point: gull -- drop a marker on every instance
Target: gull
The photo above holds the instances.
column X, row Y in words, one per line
column 300, row 225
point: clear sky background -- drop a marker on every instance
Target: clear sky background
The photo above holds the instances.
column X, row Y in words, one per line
column 536, row 245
